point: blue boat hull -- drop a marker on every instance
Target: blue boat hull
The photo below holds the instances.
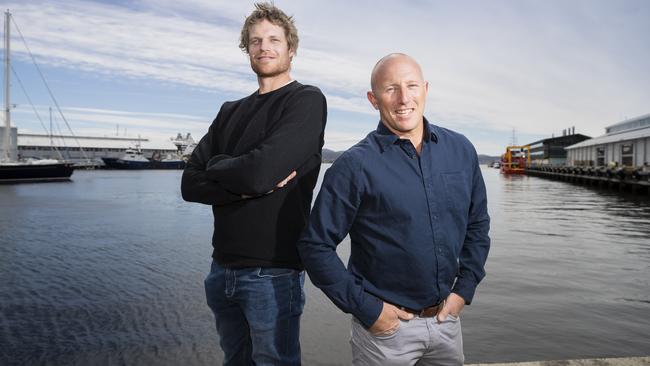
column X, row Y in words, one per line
column 115, row 163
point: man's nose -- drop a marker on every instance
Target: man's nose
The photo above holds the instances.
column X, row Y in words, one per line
column 404, row 96
column 265, row 44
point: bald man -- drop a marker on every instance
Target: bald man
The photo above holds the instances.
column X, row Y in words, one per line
column 412, row 198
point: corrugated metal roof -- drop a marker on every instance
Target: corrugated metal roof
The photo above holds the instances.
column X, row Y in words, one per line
column 615, row 137
column 559, row 139
column 629, row 120
column 94, row 142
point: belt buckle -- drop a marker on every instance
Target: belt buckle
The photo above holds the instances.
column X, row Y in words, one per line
column 430, row 312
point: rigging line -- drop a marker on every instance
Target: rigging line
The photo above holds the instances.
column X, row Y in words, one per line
column 22, row 87
column 58, row 128
column 60, row 136
column 58, row 108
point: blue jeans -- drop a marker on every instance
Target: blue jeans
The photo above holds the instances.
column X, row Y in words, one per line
column 257, row 312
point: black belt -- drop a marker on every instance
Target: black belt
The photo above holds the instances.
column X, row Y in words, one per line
column 428, row 312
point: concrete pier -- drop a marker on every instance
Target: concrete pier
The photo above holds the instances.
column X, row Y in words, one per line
column 611, row 181
column 624, row 361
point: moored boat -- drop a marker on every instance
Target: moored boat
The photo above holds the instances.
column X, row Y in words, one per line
column 35, row 171
column 166, row 162
column 11, row 169
column 133, row 159
column 515, row 160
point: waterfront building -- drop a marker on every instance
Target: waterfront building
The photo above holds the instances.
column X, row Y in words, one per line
column 82, row 148
column 551, row 151
column 626, row 143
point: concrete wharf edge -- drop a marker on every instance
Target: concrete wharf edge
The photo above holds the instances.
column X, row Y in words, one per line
column 624, row 361
column 637, row 186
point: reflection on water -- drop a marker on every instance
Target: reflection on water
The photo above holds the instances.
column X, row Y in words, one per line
column 568, row 273
column 108, row 269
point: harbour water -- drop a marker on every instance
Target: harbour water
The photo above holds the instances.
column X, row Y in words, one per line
column 108, row 269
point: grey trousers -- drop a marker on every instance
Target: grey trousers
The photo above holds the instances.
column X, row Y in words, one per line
column 419, row 341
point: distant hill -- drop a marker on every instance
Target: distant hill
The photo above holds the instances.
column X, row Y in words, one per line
column 329, row 156
column 486, row 159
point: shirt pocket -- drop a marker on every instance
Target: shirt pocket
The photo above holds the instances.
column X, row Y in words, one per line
column 457, row 191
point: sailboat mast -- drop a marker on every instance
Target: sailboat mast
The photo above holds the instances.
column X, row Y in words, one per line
column 51, row 141
column 7, row 130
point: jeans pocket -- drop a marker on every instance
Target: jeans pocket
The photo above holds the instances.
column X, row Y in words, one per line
column 271, row 272
column 453, row 318
column 386, row 335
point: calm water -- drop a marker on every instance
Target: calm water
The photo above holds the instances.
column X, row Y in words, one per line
column 108, row 269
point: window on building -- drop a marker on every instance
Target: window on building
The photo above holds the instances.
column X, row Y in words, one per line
column 627, row 154
column 600, row 156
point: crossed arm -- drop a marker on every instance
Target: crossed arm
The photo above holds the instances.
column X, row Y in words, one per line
column 197, row 187
column 291, row 141
column 222, row 180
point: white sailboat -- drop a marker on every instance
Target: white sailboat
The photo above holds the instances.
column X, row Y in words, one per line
column 12, row 170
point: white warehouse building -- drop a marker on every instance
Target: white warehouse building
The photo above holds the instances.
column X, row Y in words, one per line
column 624, row 144
column 78, row 148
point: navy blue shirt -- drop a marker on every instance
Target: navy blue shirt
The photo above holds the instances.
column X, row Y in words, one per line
column 418, row 224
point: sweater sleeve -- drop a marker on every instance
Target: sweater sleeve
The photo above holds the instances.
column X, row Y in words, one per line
column 331, row 219
column 293, row 139
column 195, row 185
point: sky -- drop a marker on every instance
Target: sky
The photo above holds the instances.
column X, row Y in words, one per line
column 155, row 68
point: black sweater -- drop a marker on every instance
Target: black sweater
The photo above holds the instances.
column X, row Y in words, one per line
column 253, row 144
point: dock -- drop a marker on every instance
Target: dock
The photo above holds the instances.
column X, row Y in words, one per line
column 636, row 181
column 623, row 361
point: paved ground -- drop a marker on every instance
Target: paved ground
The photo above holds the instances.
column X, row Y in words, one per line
column 627, row 361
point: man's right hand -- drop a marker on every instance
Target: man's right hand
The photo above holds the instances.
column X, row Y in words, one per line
column 388, row 320
column 286, row 180
column 279, row 185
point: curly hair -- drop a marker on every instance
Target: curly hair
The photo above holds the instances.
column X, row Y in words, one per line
column 274, row 15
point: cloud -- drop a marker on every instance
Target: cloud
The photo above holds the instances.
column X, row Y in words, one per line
column 118, row 41
column 121, row 42
column 93, row 120
column 538, row 67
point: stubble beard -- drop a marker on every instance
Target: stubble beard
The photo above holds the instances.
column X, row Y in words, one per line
column 279, row 69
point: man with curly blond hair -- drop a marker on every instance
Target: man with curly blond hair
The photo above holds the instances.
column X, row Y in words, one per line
column 257, row 167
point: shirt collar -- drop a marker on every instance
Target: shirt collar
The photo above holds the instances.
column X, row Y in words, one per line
column 387, row 138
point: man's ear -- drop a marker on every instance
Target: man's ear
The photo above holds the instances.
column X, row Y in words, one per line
column 372, row 99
